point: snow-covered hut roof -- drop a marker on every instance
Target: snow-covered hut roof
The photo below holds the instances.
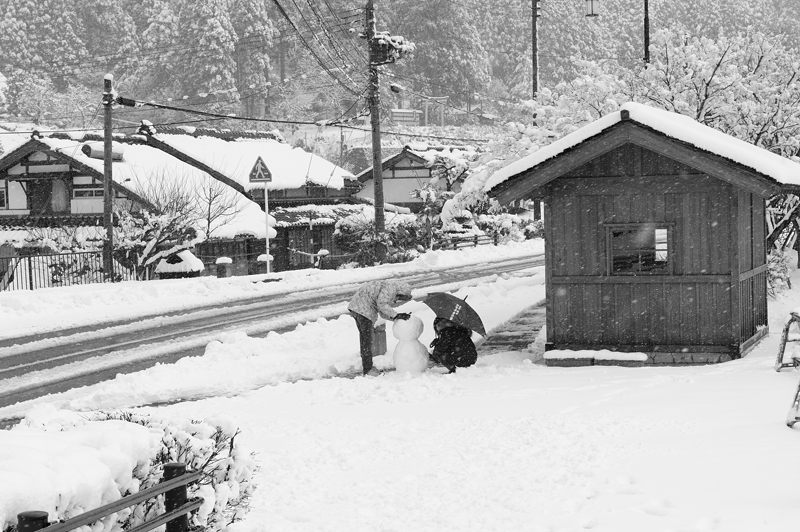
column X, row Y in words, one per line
column 673, row 125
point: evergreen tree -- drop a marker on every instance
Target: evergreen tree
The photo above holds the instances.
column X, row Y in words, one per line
column 449, row 53
column 205, row 29
column 254, row 32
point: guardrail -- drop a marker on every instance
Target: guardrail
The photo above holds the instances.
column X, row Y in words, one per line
column 173, row 486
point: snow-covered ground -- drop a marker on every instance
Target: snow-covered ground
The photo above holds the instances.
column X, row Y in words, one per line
column 29, row 312
column 508, row 444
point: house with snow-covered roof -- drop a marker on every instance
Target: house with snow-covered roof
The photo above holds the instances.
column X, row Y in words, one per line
column 56, row 181
column 410, row 170
column 655, row 236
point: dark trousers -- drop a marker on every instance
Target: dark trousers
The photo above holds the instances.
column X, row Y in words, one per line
column 365, row 327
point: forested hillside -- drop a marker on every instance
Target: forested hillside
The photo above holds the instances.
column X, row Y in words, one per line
column 245, row 56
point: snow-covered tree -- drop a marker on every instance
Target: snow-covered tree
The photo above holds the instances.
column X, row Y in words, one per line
column 142, row 239
column 254, row 33
column 205, row 27
column 448, row 54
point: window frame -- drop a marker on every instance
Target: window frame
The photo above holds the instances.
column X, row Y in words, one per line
column 4, row 192
column 94, row 191
column 670, row 267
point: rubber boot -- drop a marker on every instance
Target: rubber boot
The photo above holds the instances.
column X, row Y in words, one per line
column 366, row 364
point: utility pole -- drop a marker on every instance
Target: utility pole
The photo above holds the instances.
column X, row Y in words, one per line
column 108, row 249
column 534, row 47
column 374, row 116
column 646, row 31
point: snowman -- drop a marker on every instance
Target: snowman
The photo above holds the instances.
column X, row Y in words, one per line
column 410, row 355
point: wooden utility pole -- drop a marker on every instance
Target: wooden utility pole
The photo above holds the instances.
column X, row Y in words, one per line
column 534, row 47
column 646, row 31
column 374, row 116
column 108, row 249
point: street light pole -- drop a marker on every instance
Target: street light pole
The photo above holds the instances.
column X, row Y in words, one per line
column 108, row 191
column 534, row 47
column 374, row 115
column 646, row 31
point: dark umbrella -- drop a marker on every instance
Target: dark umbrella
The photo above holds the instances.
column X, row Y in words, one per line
column 455, row 309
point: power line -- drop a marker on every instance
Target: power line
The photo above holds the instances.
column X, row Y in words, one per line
column 323, row 26
column 358, row 57
column 310, row 49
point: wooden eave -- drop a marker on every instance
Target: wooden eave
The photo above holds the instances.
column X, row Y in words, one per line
column 35, row 145
column 366, row 175
column 524, row 183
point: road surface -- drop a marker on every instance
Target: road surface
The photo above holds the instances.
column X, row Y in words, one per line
column 52, row 362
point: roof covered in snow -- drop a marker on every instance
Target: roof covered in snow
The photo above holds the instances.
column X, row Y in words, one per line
column 673, row 125
column 424, row 154
column 313, row 215
column 146, row 171
column 289, row 167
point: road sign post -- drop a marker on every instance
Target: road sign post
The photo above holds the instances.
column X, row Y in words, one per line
column 261, row 174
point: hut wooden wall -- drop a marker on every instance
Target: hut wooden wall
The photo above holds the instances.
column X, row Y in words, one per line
column 688, row 310
column 752, row 265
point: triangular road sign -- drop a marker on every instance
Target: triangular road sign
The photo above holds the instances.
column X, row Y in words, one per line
column 260, row 173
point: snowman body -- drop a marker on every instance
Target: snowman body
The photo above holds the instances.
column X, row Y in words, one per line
column 410, row 355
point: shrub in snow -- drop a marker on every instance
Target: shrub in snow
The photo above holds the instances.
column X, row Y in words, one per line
column 142, row 239
column 212, row 447
column 778, row 278
column 356, row 236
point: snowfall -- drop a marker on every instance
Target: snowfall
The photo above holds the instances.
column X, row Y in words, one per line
column 508, row 444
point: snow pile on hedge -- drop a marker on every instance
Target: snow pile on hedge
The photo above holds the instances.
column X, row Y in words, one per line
column 103, row 456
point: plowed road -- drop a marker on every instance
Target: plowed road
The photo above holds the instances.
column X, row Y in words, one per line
column 55, row 362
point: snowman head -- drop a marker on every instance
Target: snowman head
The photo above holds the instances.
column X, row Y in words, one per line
column 409, row 329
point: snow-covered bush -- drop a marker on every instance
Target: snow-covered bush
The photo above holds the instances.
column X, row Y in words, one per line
column 504, row 226
column 213, row 447
column 356, row 235
column 778, row 279
column 142, row 239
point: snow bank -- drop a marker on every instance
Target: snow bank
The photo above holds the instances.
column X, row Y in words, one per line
column 237, row 363
column 67, row 472
column 27, row 312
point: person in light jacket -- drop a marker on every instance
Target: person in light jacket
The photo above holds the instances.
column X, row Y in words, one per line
column 373, row 299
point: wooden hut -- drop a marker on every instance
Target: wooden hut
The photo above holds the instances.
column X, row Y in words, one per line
column 655, row 235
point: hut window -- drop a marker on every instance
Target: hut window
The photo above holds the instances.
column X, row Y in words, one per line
column 639, row 249
column 4, row 195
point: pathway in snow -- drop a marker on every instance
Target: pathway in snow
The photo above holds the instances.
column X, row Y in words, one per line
column 517, row 334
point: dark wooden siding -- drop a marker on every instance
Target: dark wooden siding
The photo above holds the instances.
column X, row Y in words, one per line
column 690, row 308
column 752, row 259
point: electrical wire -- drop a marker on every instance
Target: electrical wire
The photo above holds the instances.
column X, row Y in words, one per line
column 311, row 49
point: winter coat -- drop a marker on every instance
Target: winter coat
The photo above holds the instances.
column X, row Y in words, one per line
column 377, row 298
column 453, row 347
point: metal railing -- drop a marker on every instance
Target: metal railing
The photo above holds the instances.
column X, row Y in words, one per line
column 58, row 269
column 177, row 506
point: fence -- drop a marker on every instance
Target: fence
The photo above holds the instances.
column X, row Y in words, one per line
column 58, row 269
column 467, row 242
column 173, row 486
